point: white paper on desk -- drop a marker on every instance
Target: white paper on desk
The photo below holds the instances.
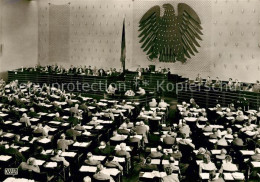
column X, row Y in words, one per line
column 88, row 169
column 9, row 135
column 55, row 122
column 148, row 175
column 39, row 162
column 3, row 115
column 65, row 124
column 99, row 127
column 34, row 119
column 8, row 122
column 74, row 100
column 98, row 157
column 228, row 176
column 91, row 107
column 111, row 171
column 42, row 113
column 51, row 164
column 5, row 157
column 153, row 149
column 167, row 150
column 81, row 144
column 23, row 109
column 44, row 140
column 213, row 140
column 17, row 124
column 49, row 151
column 65, row 117
column 204, row 176
column 238, row 176
column 26, row 138
column 53, row 129
column 215, row 152
column 23, row 149
column 68, row 154
column 119, row 159
column 199, row 161
column 255, row 164
column 155, row 161
column 51, row 115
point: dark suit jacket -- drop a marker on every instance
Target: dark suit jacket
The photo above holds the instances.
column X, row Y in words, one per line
column 169, row 140
column 108, row 150
column 238, row 142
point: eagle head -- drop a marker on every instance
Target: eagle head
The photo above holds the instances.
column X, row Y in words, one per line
column 168, row 7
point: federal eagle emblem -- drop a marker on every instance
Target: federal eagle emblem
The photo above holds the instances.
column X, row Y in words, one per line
column 170, row 37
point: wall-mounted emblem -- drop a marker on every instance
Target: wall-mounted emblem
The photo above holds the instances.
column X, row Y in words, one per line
column 170, row 37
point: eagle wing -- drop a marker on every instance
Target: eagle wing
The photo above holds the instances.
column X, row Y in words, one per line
column 189, row 28
column 148, row 26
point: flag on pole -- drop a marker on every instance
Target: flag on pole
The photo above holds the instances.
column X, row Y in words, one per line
column 123, row 48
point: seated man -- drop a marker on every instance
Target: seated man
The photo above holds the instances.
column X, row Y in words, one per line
column 141, row 91
column 117, row 138
column 228, row 166
column 103, row 149
column 79, row 127
column 30, row 165
column 256, row 86
column 57, row 117
column 206, row 165
column 185, row 129
column 222, row 155
column 237, row 141
column 153, row 103
column 163, row 104
column 38, row 129
column 147, row 166
column 32, row 113
column 171, row 177
column 207, row 127
column 200, row 154
column 90, row 161
column 75, row 110
column 215, row 134
column 222, row 141
column 123, row 129
column 122, row 152
column 156, row 154
column 73, row 133
column 113, row 164
column 256, row 156
column 100, row 175
column 129, row 93
column 240, row 116
column 25, row 119
column 111, row 90
column 143, row 130
column 63, row 144
column 168, row 139
column 58, row 158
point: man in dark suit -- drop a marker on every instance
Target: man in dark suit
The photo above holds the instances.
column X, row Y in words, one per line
column 103, row 149
column 214, row 135
column 168, row 140
column 113, row 164
column 123, row 130
column 147, row 166
column 156, row 154
column 73, row 133
column 90, row 161
column 237, row 141
column 256, row 156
